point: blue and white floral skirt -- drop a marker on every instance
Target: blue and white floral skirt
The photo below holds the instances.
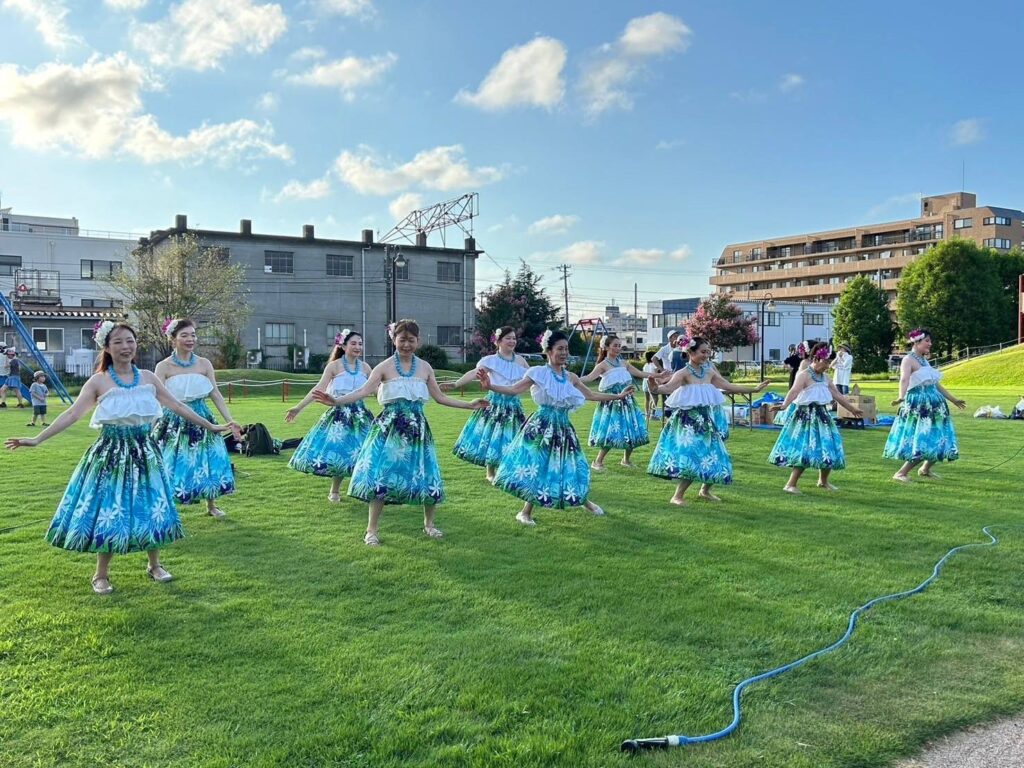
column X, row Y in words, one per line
column 330, row 448
column 545, row 464
column 489, row 432
column 810, row 438
column 196, row 459
column 692, row 447
column 119, row 498
column 783, row 416
column 923, row 429
column 397, row 463
column 618, row 423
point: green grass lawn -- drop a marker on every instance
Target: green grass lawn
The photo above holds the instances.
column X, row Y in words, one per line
column 284, row 641
column 990, row 370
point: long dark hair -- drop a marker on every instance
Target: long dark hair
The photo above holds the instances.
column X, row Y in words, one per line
column 602, row 348
column 106, row 359
column 339, row 349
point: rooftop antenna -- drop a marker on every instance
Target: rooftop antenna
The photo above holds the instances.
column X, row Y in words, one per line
column 458, row 212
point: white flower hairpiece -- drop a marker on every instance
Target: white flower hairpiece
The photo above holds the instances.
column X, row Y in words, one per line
column 603, row 344
column 391, row 330
column 169, row 323
column 916, row 335
column 341, row 338
column 691, row 343
column 544, row 339
column 100, row 331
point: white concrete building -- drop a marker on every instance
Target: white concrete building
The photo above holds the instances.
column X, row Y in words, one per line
column 630, row 328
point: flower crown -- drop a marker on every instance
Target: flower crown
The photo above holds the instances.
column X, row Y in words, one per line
column 100, row 331
column 391, row 330
column 917, row 335
column 821, row 354
column 543, row 339
column 341, row 338
column 169, row 323
column 691, row 344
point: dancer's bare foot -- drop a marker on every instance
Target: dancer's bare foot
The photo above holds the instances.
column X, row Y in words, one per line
column 679, row 501
column 597, row 467
column 708, row 496
column 929, row 474
column 791, row 489
column 525, row 519
column 491, row 474
column 628, row 464
column 827, row 486
column 900, row 478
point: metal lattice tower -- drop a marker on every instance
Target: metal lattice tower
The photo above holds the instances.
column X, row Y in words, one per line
column 459, row 212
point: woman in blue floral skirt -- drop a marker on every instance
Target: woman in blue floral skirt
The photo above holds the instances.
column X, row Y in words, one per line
column 119, row 498
column 616, row 423
column 692, row 444
column 488, row 432
column 197, row 460
column 545, row 464
column 330, row 448
column 397, row 463
column 810, row 437
column 923, row 429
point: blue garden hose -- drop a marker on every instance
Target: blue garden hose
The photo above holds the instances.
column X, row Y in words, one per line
column 634, row 745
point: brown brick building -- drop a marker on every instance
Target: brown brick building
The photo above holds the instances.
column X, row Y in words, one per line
column 814, row 267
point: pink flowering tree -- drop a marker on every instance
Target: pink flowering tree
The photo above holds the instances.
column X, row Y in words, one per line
column 722, row 323
column 518, row 301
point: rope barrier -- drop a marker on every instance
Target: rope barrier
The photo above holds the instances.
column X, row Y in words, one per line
column 635, row 745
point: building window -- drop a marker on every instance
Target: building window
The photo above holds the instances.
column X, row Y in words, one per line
column 963, row 223
column 219, row 253
column 103, row 303
column 657, row 321
column 997, row 242
column 755, row 253
column 815, row 319
column 279, row 333
column 94, row 268
column 278, row 262
column 999, row 221
column 772, row 319
column 87, row 340
column 8, row 264
column 833, row 281
column 785, row 251
column 48, row 339
column 449, row 272
column 449, row 335
column 775, row 355
column 339, row 266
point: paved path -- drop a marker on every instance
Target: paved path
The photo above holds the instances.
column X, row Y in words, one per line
column 998, row 745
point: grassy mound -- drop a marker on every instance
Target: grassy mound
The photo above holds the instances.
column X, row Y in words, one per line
column 1003, row 369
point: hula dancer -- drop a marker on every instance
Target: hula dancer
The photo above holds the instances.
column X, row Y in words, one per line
column 545, row 464
column 119, row 498
column 616, row 423
column 488, row 432
column 803, row 351
column 196, row 460
column 692, row 444
column 330, row 448
column 923, row 429
column 397, row 463
column 810, row 437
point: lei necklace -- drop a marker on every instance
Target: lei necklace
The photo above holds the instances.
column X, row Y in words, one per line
column 698, row 374
column 923, row 361
column 118, row 382
column 560, row 379
column 355, row 369
column 178, row 361
column 818, row 377
column 412, row 368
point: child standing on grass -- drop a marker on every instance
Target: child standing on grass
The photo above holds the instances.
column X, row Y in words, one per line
column 616, row 423
column 119, row 498
column 692, row 444
column 37, row 394
column 545, row 464
column 810, row 437
column 330, row 448
column 652, row 366
column 923, row 429
column 397, row 463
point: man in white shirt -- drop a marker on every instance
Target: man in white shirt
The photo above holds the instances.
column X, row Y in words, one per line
column 665, row 353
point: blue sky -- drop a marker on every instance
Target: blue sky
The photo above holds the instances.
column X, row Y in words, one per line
column 632, row 140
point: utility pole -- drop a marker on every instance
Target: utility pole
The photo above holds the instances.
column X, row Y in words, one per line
column 564, row 269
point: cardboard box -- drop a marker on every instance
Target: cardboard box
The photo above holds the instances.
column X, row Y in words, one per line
column 865, row 402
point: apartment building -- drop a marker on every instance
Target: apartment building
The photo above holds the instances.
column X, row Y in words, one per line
column 630, row 328
column 816, row 266
column 303, row 290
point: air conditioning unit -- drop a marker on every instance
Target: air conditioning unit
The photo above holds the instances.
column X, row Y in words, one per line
column 253, row 358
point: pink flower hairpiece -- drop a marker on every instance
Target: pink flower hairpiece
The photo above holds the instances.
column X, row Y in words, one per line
column 916, row 335
column 691, row 344
column 821, row 354
column 166, row 327
column 494, row 337
column 341, row 338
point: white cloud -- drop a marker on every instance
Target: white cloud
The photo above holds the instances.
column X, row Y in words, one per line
column 966, row 132
column 351, row 8
column 347, row 75
column 790, row 82
column 308, row 53
column 666, row 144
column 581, row 252
column 655, row 35
column 442, row 168
column 296, row 190
column 684, row 251
column 96, row 110
column 893, row 205
column 49, row 18
column 268, row 102
column 553, row 225
column 605, row 80
column 646, row 256
column 404, row 204
column 125, row 5
column 198, row 34
column 529, row 75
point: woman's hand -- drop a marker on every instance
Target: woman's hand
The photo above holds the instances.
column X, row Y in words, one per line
column 961, row 404
column 13, row 443
column 322, row 397
column 897, row 401
column 627, row 392
column 446, row 386
column 291, row 414
column 483, row 378
column 762, row 386
column 236, row 430
column 479, row 404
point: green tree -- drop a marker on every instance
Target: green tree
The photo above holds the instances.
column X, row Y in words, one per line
column 863, row 323
column 518, row 301
column 179, row 277
column 953, row 291
column 722, row 323
column 1008, row 268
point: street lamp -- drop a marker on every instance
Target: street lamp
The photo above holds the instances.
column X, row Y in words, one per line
column 766, row 302
column 392, row 264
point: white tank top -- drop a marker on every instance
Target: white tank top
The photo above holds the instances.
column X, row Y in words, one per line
column 126, row 407
column 189, row 386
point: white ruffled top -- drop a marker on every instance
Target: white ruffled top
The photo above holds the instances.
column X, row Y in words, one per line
column 126, row 407
column 503, row 372
column 695, row 395
column 189, row 386
column 924, row 375
column 818, row 392
column 411, row 388
column 614, row 376
column 346, row 382
column 547, row 390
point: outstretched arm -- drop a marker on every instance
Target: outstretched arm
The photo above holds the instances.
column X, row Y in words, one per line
column 658, row 387
column 600, row 397
column 595, row 373
column 799, row 384
column 372, row 382
column 83, row 403
column 722, row 383
column 961, row 404
column 843, row 401
column 636, row 373
column 442, row 399
column 171, row 403
column 325, row 379
column 513, row 389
